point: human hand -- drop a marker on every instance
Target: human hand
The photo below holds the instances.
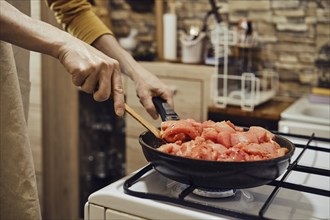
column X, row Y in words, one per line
column 147, row 85
column 94, row 72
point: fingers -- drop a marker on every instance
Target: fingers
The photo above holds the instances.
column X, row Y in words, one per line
column 168, row 97
column 102, row 89
column 118, row 93
column 106, row 82
column 93, row 72
column 78, row 79
column 95, row 78
column 110, row 84
column 90, row 83
column 85, row 75
column 147, row 103
column 146, row 95
column 101, row 79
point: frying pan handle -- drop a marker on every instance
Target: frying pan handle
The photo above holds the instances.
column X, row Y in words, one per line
column 164, row 109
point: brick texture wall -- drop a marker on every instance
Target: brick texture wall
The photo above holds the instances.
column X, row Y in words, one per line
column 291, row 33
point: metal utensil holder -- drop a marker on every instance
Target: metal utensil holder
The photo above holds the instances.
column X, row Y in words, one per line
column 253, row 90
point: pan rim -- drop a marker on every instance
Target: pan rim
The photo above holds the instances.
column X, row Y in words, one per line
column 193, row 160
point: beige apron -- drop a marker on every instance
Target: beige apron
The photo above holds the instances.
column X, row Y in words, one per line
column 18, row 188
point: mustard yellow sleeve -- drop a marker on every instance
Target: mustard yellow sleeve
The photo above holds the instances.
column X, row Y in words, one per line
column 77, row 18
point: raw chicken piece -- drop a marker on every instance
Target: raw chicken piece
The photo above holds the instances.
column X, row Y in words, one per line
column 243, row 137
column 181, row 130
column 218, row 141
column 262, row 134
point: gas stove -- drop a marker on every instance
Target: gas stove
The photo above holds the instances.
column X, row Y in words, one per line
column 302, row 192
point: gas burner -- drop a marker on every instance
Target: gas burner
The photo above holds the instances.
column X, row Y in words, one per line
column 215, row 193
column 177, row 188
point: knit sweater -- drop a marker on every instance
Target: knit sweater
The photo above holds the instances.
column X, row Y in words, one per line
column 77, row 18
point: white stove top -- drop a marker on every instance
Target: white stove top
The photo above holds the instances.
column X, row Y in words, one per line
column 113, row 197
column 288, row 204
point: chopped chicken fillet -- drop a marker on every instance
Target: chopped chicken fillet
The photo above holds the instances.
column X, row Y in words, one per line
column 218, row 141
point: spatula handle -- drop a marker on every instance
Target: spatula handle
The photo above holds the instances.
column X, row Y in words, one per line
column 144, row 122
column 165, row 111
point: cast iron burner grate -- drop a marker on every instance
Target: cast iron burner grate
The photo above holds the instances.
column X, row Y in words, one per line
column 180, row 199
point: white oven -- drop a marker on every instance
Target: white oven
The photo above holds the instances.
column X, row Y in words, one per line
column 146, row 194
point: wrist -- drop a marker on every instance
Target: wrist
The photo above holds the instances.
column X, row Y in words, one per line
column 109, row 45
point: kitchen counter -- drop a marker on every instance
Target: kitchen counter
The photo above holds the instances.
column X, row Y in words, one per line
column 266, row 115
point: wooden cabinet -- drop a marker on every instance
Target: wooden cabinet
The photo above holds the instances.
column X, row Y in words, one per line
column 59, row 138
column 191, row 84
column 266, row 115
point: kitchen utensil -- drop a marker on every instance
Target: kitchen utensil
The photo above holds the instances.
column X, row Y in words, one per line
column 193, row 32
column 192, row 47
column 214, row 174
column 164, row 109
column 155, row 131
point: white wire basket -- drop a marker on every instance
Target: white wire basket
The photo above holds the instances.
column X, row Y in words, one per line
column 246, row 89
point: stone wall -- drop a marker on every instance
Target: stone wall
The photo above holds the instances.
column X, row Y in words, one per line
column 290, row 32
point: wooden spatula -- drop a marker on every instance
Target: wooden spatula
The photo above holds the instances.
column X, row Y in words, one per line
column 142, row 121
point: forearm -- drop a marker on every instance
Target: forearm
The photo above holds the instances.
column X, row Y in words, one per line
column 21, row 30
column 91, row 70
